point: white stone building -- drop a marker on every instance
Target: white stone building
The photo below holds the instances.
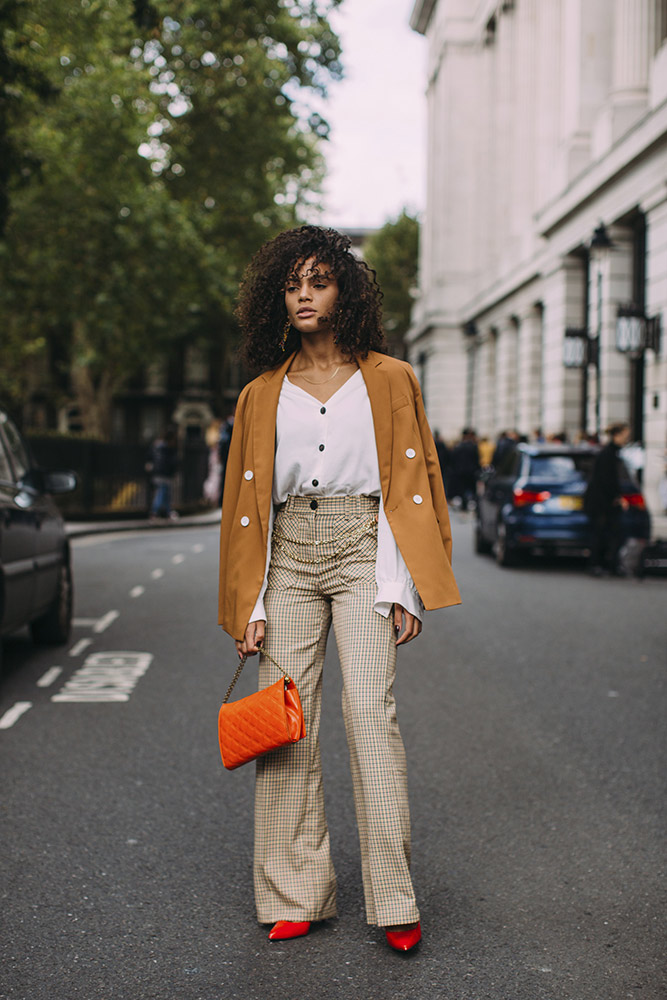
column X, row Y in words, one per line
column 547, row 125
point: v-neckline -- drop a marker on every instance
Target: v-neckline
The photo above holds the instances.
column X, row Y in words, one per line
column 322, row 402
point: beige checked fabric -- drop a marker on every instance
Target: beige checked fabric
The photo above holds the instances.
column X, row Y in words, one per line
column 322, row 571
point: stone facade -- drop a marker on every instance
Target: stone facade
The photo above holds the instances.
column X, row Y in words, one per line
column 547, row 124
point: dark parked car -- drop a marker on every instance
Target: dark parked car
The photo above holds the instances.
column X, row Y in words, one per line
column 35, row 570
column 534, row 503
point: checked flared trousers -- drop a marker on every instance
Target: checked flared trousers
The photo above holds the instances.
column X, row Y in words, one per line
column 322, row 571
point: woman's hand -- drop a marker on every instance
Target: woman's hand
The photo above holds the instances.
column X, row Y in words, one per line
column 404, row 620
column 253, row 639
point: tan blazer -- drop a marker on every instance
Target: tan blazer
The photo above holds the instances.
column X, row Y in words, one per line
column 412, row 490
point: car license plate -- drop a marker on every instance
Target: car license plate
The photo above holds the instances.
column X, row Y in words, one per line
column 571, row 503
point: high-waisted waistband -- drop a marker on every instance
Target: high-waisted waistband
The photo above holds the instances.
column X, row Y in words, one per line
column 358, row 504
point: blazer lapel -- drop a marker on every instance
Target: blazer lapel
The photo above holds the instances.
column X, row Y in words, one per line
column 377, row 386
column 264, row 438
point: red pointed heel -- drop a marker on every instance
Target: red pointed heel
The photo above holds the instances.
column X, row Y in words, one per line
column 284, row 929
column 404, row 940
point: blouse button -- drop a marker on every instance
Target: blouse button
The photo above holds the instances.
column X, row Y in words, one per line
column 316, row 482
column 323, row 409
column 245, row 521
column 411, row 453
column 321, row 447
column 417, row 499
column 248, row 474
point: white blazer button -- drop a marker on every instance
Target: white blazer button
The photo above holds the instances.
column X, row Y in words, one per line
column 245, row 521
column 417, row 499
column 248, row 474
column 411, row 453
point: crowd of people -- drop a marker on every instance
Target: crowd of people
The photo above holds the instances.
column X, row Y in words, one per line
column 462, row 462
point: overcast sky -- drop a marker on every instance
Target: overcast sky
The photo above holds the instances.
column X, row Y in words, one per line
column 376, row 154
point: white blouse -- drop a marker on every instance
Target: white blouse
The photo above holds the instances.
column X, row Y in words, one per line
column 328, row 449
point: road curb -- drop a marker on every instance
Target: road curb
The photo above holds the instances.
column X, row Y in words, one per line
column 76, row 529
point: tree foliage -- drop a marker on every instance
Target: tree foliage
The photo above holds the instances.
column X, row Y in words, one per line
column 393, row 252
column 150, row 156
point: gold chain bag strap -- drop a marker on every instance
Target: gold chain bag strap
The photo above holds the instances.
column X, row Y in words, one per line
column 264, row 721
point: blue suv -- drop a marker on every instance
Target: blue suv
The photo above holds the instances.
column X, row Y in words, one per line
column 534, row 503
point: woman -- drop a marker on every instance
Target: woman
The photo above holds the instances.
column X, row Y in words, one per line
column 334, row 512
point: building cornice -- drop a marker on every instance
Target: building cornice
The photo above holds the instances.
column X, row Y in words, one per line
column 421, row 15
column 650, row 132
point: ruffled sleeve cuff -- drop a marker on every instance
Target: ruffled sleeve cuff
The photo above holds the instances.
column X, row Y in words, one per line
column 394, row 583
column 258, row 612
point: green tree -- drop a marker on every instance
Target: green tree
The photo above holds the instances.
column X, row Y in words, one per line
column 170, row 150
column 393, row 252
column 95, row 247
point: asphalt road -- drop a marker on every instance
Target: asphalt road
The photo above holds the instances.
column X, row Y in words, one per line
column 533, row 717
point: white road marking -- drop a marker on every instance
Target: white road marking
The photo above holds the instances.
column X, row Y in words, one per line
column 83, row 622
column 79, row 647
column 157, row 574
column 198, row 548
column 104, row 622
column 137, row 591
column 105, row 677
column 49, row 677
column 179, row 558
column 14, row 713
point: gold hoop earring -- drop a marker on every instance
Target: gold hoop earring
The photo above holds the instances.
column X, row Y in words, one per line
column 286, row 333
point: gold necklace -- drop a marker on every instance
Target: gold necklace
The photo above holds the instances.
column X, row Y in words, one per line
column 323, row 382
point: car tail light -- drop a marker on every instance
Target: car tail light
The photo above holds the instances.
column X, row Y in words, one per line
column 635, row 500
column 523, row 498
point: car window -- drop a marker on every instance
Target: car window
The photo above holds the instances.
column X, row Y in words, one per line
column 17, row 452
column 561, row 468
column 5, row 469
column 626, row 475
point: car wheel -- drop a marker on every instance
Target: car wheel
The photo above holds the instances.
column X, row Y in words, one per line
column 482, row 547
column 55, row 625
column 505, row 554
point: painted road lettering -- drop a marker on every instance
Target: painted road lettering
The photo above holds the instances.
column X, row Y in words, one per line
column 105, row 677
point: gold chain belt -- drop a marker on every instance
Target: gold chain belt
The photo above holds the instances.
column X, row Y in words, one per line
column 279, row 540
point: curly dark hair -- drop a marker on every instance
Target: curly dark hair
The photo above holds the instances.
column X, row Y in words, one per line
column 356, row 320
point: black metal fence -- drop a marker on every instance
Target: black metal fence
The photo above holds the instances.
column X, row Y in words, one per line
column 113, row 479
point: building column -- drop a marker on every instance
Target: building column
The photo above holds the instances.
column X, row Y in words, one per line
column 655, row 402
column 439, row 358
column 529, row 375
column 506, row 376
column 610, row 286
column 564, row 297
column 633, row 44
column 634, row 25
column 484, row 411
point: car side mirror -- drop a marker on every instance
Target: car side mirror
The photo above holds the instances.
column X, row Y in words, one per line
column 59, row 482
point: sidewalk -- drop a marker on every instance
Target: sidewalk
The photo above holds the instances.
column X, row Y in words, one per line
column 77, row 529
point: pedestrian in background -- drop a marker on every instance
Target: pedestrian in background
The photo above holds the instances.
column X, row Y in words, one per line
column 485, row 449
column 604, row 503
column 444, row 457
column 506, row 443
column 224, row 441
column 163, row 463
column 465, row 469
column 333, row 512
column 212, row 484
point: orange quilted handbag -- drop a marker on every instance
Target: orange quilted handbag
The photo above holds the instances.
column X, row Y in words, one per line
column 262, row 722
